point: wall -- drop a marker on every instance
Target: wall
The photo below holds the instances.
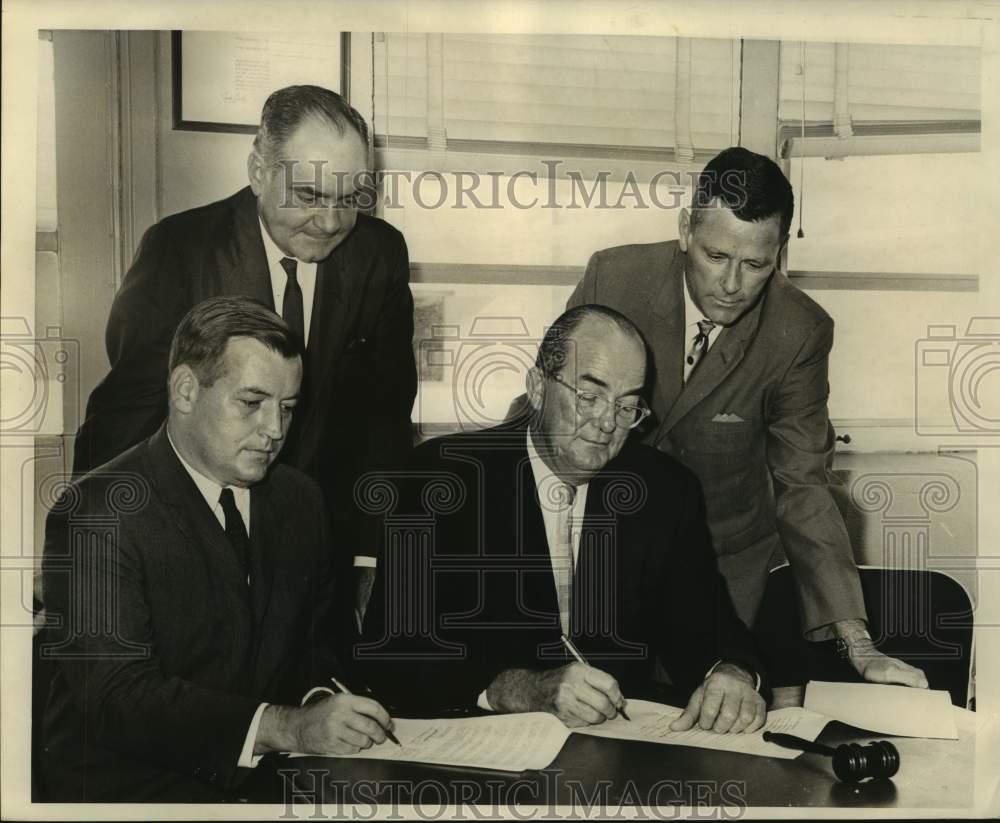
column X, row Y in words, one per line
column 881, row 214
column 194, row 168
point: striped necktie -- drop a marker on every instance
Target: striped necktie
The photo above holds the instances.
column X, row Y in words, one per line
column 699, row 345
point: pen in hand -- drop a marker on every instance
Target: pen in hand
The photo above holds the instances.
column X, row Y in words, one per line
column 579, row 659
column 344, row 690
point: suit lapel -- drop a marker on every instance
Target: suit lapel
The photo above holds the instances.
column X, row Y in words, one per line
column 668, row 307
column 335, row 304
column 538, row 587
column 242, row 261
column 596, row 588
column 194, row 518
column 720, row 360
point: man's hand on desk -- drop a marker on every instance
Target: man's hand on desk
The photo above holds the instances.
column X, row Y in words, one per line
column 329, row 724
column 725, row 702
column 869, row 662
column 876, row 667
column 579, row 695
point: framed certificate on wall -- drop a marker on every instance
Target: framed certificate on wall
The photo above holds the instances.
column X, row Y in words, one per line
column 221, row 79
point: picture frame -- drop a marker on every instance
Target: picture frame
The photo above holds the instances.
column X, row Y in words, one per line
column 237, row 70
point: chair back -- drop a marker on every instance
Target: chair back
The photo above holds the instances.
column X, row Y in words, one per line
column 920, row 616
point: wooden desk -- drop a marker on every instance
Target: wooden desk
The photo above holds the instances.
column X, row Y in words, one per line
column 603, row 773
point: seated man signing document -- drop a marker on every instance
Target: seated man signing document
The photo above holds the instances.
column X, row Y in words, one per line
column 560, row 528
column 190, row 577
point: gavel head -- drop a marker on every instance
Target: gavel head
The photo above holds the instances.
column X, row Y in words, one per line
column 853, row 762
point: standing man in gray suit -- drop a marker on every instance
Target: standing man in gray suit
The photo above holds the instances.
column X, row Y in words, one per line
column 740, row 394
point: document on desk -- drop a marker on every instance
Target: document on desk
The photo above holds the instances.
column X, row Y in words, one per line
column 897, row 710
column 506, row 742
column 651, row 723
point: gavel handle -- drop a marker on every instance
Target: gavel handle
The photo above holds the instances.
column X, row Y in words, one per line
column 790, row 741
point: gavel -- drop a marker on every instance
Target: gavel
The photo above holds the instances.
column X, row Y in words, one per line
column 851, row 761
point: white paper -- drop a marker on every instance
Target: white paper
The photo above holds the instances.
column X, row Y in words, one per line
column 651, row 722
column 507, row 742
column 897, row 710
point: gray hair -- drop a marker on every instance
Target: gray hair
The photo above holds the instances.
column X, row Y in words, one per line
column 286, row 109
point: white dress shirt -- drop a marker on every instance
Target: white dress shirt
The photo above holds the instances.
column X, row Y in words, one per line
column 692, row 314
column 211, row 490
column 305, row 273
column 544, row 480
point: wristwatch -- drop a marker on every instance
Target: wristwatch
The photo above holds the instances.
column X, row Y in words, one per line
column 844, row 646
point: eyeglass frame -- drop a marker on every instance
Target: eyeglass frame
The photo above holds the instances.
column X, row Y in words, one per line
column 644, row 410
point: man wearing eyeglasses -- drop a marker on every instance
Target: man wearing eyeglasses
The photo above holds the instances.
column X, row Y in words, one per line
column 558, row 539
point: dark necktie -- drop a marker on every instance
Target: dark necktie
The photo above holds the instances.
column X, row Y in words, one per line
column 291, row 305
column 236, row 530
column 700, row 343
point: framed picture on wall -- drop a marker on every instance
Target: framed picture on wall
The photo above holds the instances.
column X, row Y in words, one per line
column 221, row 79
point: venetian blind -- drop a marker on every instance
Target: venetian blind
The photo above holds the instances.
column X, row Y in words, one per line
column 860, row 90
column 611, row 91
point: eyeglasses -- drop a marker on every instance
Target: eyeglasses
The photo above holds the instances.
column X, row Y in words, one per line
column 591, row 404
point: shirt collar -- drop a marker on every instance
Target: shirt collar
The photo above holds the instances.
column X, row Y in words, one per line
column 274, row 254
column 543, row 475
column 306, row 272
column 692, row 314
column 208, row 487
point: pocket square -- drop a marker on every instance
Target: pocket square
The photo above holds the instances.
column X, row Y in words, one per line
column 727, row 417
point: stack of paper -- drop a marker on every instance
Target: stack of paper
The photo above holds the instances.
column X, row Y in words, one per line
column 514, row 742
column 651, row 723
column 897, row 710
column 508, row 742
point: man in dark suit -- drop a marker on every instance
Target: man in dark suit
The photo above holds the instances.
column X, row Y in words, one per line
column 192, row 587
column 561, row 528
column 740, row 394
column 293, row 240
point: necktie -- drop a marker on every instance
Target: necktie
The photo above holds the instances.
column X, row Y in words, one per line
column 291, row 305
column 236, row 529
column 700, row 344
column 561, row 498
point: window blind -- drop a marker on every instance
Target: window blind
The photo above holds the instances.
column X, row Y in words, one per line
column 862, row 90
column 615, row 91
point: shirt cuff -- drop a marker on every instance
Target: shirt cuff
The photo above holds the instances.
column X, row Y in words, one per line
column 248, row 760
column 365, row 561
column 483, row 703
column 711, row 671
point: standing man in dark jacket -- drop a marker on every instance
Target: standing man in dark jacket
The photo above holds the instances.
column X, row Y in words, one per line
column 295, row 241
